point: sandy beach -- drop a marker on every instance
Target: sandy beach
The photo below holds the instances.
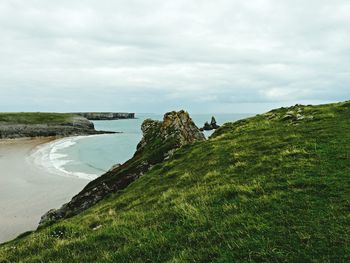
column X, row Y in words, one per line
column 27, row 191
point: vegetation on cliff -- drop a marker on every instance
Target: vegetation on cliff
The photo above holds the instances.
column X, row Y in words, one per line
column 29, row 118
column 39, row 124
column 272, row 188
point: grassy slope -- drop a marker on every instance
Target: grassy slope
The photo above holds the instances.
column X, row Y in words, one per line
column 261, row 189
column 34, row 118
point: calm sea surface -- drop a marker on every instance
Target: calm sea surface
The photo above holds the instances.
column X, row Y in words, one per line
column 88, row 157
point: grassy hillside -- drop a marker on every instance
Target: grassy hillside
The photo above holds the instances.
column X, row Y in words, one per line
column 275, row 187
column 34, row 118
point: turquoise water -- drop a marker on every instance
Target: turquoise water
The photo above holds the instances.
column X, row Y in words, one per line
column 93, row 155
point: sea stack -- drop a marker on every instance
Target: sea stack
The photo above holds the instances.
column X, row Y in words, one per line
column 210, row 126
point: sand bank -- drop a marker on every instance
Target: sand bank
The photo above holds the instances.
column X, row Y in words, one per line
column 26, row 190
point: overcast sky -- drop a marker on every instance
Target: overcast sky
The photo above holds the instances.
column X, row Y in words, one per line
column 155, row 56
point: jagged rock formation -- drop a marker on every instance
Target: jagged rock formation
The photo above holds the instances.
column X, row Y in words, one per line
column 75, row 125
column 160, row 140
column 106, row 115
column 210, row 126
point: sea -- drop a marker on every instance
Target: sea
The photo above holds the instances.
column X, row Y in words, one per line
column 88, row 157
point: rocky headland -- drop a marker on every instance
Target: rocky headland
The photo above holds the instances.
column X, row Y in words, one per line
column 106, row 115
column 19, row 125
column 160, row 140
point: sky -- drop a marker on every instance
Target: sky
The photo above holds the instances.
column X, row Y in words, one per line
column 203, row 56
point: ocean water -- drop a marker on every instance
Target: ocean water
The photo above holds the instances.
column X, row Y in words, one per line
column 88, row 157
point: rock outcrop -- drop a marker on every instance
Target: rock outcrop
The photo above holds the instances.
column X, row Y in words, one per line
column 296, row 115
column 160, row 140
column 73, row 126
column 210, row 126
column 293, row 115
column 106, row 115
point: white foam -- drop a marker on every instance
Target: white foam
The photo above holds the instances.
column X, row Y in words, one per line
column 46, row 156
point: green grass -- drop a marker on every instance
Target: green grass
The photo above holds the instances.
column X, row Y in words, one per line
column 262, row 189
column 29, row 118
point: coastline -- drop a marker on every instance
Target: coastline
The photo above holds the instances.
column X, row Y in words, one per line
column 49, row 156
column 27, row 191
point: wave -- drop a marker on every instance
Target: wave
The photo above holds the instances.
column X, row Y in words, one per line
column 49, row 156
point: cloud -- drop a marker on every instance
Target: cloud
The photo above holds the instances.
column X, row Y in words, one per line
column 152, row 55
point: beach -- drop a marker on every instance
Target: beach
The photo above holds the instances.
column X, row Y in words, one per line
column 37, row 175
column 28, row 191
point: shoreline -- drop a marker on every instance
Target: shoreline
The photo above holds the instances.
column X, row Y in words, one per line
column 49, row 156
column 28, row 191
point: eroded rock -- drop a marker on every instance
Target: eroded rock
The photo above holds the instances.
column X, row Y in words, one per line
column 160, row 140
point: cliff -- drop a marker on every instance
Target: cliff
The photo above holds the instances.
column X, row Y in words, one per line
column 160, row 140
column 18, row 125
column 106, row 115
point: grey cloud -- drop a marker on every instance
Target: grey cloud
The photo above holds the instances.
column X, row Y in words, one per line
column 161, row 54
